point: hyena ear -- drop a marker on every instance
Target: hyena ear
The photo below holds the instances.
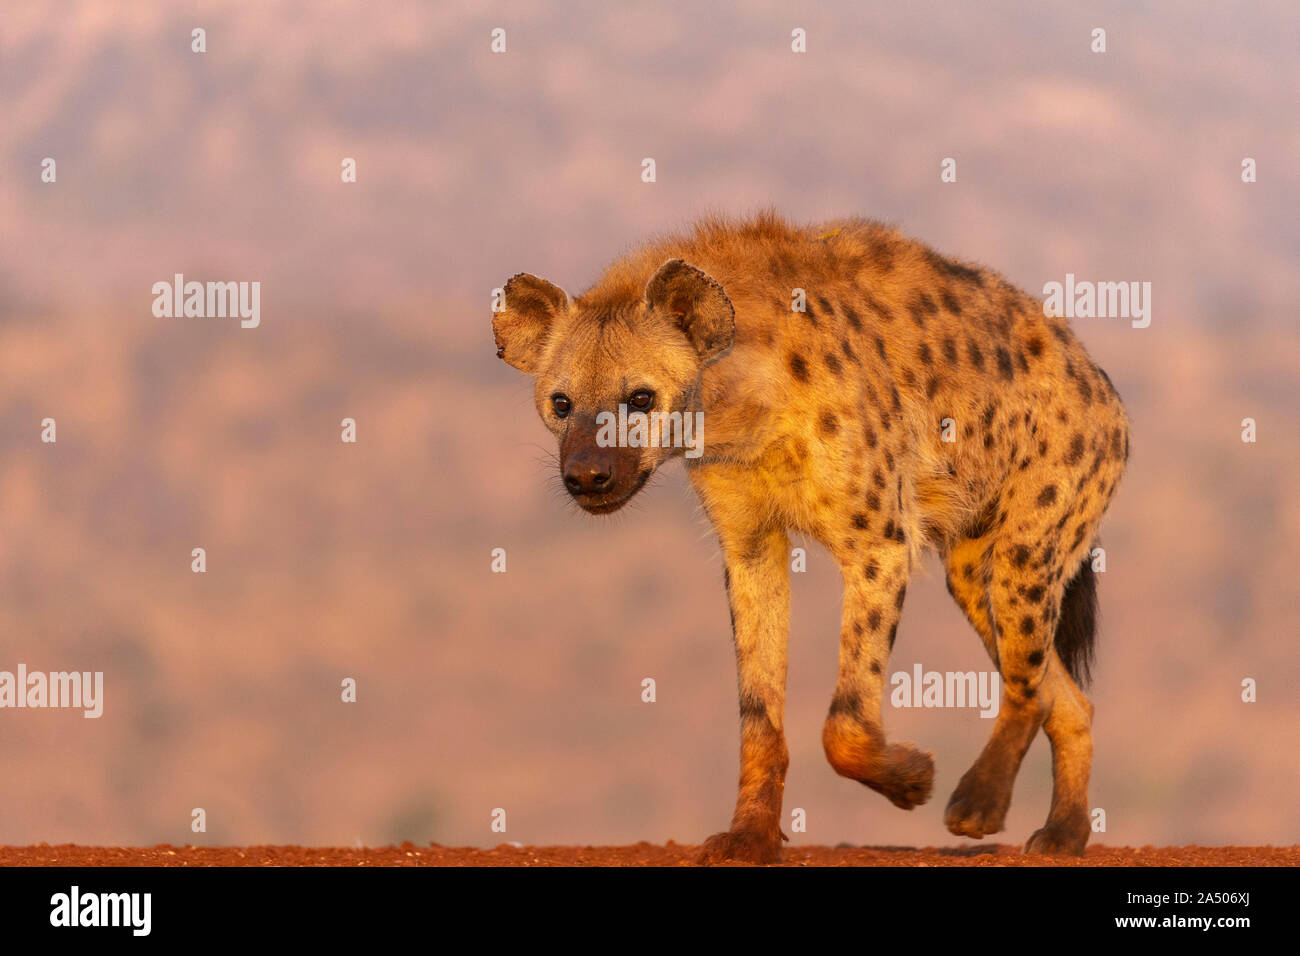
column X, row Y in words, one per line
column 696, row 302
column 529, row 308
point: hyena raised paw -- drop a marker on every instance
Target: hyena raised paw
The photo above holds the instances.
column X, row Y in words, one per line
column 741, row 846
column 900, row 772
column 979, row 805
column 909, row 777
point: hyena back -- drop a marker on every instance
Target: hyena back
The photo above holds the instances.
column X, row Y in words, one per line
column 912, row 401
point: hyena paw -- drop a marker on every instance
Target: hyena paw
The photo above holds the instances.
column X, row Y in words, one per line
column 744, row 846
column 1065, row 837
column 907, row 777
column 901, row 772
column 978, row 806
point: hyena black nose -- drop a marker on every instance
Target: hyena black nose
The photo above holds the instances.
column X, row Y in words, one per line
column 585, row 477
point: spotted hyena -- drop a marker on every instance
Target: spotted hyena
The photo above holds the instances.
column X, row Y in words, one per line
column 861, row 389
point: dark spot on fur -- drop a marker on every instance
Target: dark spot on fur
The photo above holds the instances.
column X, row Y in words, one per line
column 829, row 423
column 921, row 307
column 752, row 707
column 860, row 522
column 1075, row 454
column 1004, row 364
column 847, row 703
column 1035, row 658
column 1020, row 555
column 1027, row 625
column 950, row 302
column 873, row 618
column 875, row 305
column 953, row 270
column 976, row 356
column 833, row 363
column 870, row 570
column 798, row 367
column 1047, row 496
column 984, row 522
column 851, row 314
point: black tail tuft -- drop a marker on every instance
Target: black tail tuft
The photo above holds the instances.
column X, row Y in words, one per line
column 1076, row 632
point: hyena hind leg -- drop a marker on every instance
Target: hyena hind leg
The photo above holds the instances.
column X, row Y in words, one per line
column 979, row 804
column 1069, row 720
column 1069, row 728
column 1029, row 605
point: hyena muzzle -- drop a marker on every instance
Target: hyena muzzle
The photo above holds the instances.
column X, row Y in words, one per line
column 863, row 390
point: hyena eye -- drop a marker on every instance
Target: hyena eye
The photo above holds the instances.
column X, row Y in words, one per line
column 641, row 400
column 561, row 404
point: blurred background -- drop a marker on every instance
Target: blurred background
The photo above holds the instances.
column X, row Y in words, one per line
column 522, row 690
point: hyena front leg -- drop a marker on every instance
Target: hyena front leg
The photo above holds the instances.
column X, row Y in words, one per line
column 853, row 735
column 758, row 590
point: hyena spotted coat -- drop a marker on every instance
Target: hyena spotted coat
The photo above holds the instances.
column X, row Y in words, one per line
column 831, row 422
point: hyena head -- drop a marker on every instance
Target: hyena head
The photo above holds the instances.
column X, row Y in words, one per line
column 589, row 356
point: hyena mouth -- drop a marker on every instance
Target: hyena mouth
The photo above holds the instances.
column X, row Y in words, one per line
column 609, row 507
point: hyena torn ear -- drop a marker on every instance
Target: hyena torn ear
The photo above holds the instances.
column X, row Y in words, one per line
column 529, row 308
column 697, row 303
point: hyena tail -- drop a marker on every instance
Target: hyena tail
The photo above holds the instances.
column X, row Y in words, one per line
column 1076, row 632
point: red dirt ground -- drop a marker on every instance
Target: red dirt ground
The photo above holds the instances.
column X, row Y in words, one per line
column 642, row 854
